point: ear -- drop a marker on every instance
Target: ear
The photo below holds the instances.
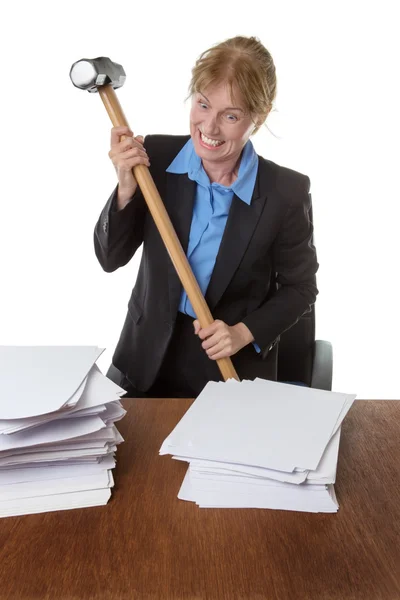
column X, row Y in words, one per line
column 259, row 121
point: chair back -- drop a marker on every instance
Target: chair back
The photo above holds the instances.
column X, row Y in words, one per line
column 296, row 345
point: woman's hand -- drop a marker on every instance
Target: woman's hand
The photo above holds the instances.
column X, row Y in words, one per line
column 125, row 155
column 222, row 340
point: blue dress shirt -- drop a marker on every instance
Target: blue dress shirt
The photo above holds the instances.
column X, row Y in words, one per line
column 210, row 211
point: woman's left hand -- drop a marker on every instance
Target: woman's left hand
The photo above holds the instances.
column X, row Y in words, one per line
column 222, row 340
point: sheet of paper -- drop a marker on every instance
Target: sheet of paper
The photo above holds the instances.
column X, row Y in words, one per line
column 265, row 424
column 99, row 390
column 302, row 499
column 48, row 487
column 27, row 506
column 52, row 432
column 51, row 377
column 57, row 455
column 211, row 466
column 11, row 476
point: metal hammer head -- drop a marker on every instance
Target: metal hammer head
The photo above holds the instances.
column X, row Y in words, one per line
column 89, row 73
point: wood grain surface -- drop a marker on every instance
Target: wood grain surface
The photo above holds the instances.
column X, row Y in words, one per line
column 148, row 544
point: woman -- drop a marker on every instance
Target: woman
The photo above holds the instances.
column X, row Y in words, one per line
column 242, row 220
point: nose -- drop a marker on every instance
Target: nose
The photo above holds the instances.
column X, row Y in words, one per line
column 210, row 126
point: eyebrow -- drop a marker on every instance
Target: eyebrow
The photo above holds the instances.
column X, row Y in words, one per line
column 228, row 107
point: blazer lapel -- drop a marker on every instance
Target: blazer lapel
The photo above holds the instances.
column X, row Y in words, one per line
column 241, row 223
column 179, row 201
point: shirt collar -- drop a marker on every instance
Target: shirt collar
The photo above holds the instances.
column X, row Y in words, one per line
column 187, row 161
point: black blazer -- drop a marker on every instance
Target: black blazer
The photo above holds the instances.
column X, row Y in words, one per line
column 264, row 273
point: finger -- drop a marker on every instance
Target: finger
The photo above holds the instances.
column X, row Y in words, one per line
column 126, row 144
column 130, row 142
column 217, row 326
column 222, row 354
column 208, row 331
column 116, row 154
column 128, row 164
column 196, row 326
column 117, row 132
column 131, row 152
column 139, row 139
column 219, row 351
column 212, row 341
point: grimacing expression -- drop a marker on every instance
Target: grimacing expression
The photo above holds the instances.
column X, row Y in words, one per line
column 218, row 127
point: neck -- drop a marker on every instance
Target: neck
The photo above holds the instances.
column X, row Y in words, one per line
column 224, row 173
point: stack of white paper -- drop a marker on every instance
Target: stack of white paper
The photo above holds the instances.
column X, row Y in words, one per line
column 260, row 444
column 57, row 432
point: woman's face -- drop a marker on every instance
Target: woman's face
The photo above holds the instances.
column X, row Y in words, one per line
column 225, row 125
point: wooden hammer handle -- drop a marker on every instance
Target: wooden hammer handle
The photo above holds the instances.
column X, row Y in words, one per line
column 166, row 229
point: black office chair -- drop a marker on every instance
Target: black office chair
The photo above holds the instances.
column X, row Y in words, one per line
column 302, row 358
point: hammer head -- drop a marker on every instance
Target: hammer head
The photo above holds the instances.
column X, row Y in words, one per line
column 89, row 73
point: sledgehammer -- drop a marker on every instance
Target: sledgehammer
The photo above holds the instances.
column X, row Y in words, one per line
column 102, row 75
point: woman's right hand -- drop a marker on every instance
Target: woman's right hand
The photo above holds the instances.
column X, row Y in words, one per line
column 125, row 155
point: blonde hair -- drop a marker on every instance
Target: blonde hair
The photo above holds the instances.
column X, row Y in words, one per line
column 243, row 62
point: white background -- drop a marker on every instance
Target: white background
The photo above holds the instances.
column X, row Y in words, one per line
column 335, row 119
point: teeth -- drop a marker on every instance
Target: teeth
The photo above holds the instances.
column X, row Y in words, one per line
column 210, row 142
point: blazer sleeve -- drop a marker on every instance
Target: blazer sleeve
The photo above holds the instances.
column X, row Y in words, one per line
column 295, row 265
column 118, row 234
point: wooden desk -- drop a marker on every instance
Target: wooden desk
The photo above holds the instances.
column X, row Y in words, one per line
column 148, row 544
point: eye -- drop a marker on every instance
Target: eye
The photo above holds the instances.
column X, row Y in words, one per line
column 233, row 118
column 202, row 104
